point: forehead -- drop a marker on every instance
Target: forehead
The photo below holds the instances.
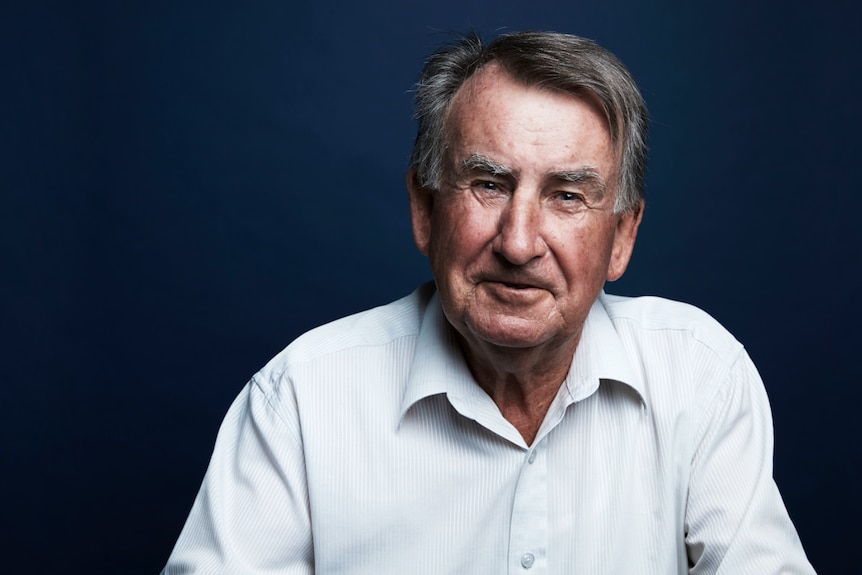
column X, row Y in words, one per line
column 505, row 119
column 494, row 76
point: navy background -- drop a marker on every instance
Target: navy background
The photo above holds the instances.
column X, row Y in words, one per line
column 187, row 186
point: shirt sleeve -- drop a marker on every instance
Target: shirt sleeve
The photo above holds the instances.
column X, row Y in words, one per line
column 736, row 522
column 251, row 515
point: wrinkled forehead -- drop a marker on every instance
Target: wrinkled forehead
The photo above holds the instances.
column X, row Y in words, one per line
column 482, row 84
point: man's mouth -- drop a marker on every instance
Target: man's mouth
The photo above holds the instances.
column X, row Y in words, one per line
column 517, row 286
column 515, row 293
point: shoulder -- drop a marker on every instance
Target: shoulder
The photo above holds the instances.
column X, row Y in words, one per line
column 663, row 319
column 687, row 363
column 363, row 331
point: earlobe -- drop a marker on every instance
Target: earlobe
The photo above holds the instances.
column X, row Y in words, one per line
column 421, row 205
column 624, row 242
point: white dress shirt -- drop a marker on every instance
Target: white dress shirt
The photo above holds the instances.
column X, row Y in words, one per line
column 366, row 447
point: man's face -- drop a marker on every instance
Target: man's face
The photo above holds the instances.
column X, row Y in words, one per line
column 521, row 235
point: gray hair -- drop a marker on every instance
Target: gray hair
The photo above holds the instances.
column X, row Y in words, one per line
column 549, row 60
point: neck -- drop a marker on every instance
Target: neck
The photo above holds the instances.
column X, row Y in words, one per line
column 522, row 382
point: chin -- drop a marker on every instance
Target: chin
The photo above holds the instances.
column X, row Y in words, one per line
column 514, row 334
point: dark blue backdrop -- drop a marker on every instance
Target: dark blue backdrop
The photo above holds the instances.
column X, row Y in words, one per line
column 187, row 186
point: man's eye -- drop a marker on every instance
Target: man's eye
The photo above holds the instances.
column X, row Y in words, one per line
column 487, row 187
column 569, row 196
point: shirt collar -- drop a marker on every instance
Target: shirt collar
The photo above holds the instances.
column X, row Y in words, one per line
column 438, row 364
column 601, row 356
column 439, row 367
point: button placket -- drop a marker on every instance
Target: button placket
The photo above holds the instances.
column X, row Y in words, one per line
column 529, row 529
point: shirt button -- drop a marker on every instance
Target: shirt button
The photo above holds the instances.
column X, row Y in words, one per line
column 527, row 560
column 532, row 457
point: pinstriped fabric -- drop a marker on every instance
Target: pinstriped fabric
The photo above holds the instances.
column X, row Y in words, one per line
column 366, row 447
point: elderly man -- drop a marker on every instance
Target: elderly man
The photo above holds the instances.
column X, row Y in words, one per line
column 510, row 417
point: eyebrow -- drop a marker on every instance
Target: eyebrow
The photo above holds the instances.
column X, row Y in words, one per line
column 587, row 175
column 477, row 162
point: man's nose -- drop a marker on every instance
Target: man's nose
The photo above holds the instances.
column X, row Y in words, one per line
column 519, row 237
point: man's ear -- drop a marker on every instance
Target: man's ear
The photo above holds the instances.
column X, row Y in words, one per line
column 624, row 241
column 421, row 206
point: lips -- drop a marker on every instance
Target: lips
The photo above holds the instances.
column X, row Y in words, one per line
column 516, row 285
column 515, row 294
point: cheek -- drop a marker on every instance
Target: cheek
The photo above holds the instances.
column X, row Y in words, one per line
column 459, row 247
column 584, row 256
column 460, row 230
